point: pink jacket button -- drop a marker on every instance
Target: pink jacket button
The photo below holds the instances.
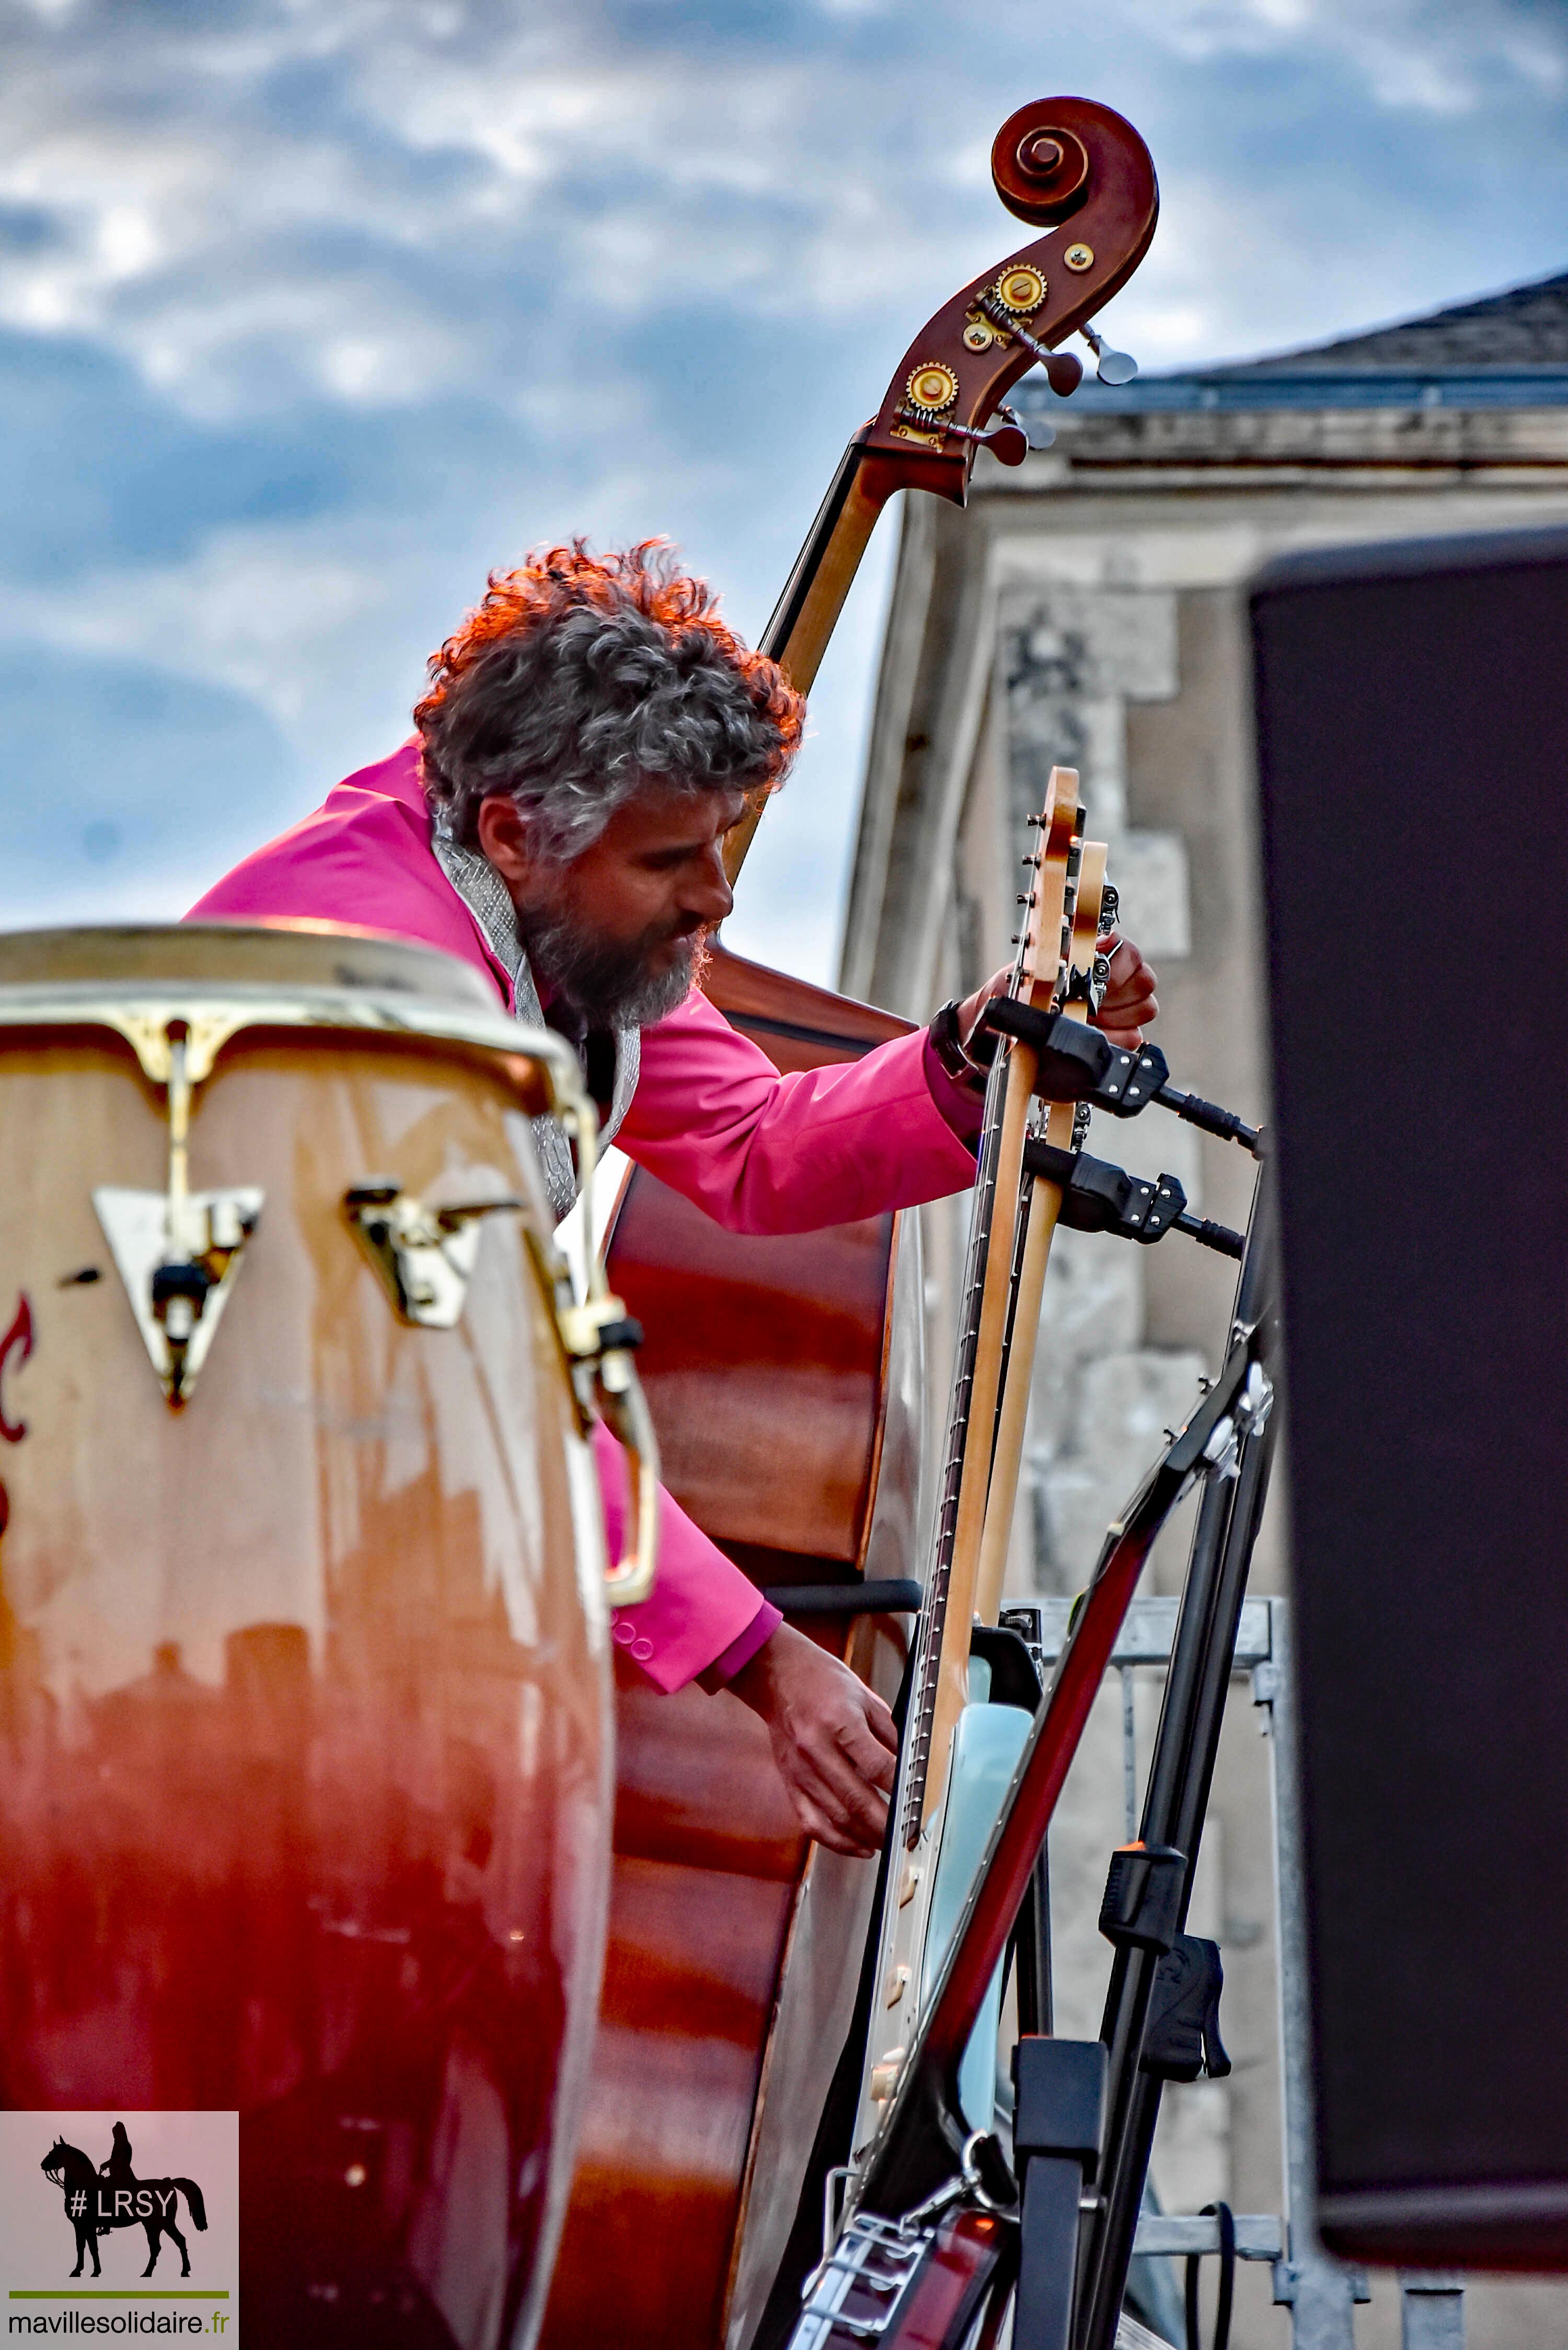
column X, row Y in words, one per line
column 642, row 1650
column 625, row 1634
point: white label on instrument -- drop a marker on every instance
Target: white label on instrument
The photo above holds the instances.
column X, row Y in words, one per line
column 119, row 2224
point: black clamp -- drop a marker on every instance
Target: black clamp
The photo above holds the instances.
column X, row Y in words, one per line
column 1099, row 1198
column 1181, row 2039
column 1143, row 1895
column 1078, row 1063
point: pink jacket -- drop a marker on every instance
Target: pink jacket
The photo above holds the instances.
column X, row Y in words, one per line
column 711, row 1116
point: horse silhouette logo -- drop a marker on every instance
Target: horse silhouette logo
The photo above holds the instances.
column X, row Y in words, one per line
column 111, row 2194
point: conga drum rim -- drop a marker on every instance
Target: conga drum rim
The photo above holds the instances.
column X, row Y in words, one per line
column 270, row 953
column 214, row 979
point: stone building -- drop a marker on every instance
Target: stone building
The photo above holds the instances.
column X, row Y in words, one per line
column 1089, row 608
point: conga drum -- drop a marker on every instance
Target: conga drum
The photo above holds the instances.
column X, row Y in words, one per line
column 305, row 1768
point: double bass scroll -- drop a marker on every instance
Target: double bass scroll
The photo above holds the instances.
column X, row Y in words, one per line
column 1056, row 160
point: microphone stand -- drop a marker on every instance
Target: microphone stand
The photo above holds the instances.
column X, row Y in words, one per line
column 1181, row 1770
column 924, row 2161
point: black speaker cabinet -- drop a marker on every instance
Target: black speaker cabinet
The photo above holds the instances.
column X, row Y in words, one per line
column 1412, row 717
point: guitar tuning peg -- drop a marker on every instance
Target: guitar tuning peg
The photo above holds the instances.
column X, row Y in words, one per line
column 1063, row 372
column 1114, row 368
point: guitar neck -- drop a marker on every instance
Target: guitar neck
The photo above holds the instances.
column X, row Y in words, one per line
column 987, row 1376
column 1041, row 1206
column 806, row 614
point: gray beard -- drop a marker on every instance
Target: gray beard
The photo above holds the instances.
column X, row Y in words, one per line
column 603, row 987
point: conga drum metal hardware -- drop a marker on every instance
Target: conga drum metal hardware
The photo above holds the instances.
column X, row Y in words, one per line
column 177, row 1256
column 423, row 1256
column 305, row 1754
column 178, row 998
column 178, row 1269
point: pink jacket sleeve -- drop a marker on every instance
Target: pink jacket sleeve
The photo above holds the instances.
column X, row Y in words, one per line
column 761, row 1153
column 703, row 1611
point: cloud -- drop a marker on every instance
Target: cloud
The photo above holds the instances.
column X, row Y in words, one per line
column 134, row 787
column 311, row 310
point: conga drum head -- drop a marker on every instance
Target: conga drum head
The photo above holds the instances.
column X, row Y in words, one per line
column 277, row 954
column 303, row 1651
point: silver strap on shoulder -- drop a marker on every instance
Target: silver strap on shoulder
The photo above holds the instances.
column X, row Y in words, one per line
column 485, row 894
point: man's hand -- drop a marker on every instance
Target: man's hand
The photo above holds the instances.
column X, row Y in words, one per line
column 1129, row 1003
column 1128, row 1007
column 833, row 1740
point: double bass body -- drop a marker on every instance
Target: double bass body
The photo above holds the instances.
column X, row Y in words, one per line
column 785, row 1376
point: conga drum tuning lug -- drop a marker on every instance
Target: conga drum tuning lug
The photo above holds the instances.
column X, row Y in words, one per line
column 178, row 1288
column 599, row 1326
column 423, row 1255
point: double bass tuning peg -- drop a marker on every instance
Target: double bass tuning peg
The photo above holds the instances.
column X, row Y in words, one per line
column 1114, row 368
column 1007, row 442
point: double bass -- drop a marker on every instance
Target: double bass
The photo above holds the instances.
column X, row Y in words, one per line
column 784, row 1378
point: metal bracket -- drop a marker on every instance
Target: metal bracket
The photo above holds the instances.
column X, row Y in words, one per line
column 424, row 1257
column 874, row 2257
column 178, row 1280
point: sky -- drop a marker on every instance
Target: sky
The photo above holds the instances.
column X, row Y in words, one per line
column 314, row 311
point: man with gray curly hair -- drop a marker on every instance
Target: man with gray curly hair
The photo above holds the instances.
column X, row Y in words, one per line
column 589, row 736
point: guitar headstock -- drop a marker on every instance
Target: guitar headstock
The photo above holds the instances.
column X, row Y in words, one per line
column 1044, row 946
column 1071, row 904
column 1086, row 970
column 1060, row 159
